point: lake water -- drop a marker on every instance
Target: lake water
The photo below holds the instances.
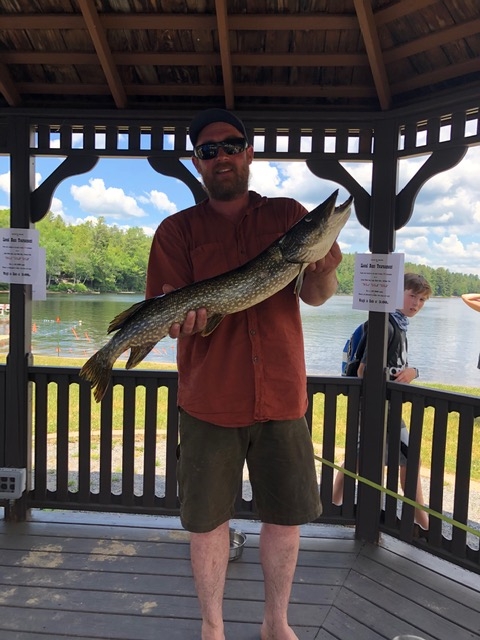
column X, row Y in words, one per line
column 444, row 339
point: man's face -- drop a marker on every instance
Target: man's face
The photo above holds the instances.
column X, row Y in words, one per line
column 225, row 177
column 412, row 302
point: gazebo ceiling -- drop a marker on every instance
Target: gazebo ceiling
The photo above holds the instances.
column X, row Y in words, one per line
column 358, row 55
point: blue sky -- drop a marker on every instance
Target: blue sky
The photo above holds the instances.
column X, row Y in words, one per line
column 444, row 230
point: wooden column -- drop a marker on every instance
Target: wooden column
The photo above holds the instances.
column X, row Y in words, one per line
column 373, row 418
column 18, row 420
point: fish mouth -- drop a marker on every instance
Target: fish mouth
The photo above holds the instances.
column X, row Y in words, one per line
column 342, row 208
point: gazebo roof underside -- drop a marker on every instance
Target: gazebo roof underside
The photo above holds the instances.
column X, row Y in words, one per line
column 255, row 55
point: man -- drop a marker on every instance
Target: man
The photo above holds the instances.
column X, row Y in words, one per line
column 242, row 389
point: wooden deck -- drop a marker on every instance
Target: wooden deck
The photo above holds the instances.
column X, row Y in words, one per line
column 90, row 576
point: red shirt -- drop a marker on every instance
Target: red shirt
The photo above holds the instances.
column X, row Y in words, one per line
column 252, row 367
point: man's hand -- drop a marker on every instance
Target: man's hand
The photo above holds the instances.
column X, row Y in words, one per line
column 320, row 281
column 329, row 263
column 194, row 321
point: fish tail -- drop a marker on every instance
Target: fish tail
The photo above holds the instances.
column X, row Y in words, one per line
column 137, row 354
column 97, row 370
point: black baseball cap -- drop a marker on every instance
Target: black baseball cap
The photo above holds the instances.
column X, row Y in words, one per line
column 209, row 116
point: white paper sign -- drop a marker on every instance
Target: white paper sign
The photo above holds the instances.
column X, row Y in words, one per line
column 18, row 255
column 378, row 281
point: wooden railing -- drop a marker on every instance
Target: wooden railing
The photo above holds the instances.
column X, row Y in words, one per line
column 121, row 455
column 454, row 527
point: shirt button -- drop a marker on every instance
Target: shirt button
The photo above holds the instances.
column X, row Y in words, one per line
column 255, row 358
column 252, row 332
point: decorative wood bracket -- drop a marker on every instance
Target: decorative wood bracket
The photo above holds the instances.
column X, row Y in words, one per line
column 333, row 170
column 439, row 161
column 41, row 197
column 176, row 169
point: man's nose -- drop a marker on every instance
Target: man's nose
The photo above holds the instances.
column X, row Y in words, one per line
column 222, row 151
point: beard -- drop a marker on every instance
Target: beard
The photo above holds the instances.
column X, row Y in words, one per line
column 228, row 189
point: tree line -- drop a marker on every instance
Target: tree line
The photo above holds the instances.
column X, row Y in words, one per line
column 94, row 256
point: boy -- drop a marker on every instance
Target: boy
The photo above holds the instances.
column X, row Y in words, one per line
column 416, row 292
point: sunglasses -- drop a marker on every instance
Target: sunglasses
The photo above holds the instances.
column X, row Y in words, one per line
column 231, row 147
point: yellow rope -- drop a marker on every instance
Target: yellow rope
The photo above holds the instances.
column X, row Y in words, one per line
column 391, row 493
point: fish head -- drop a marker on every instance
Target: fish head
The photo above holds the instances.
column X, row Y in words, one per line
column 311, row 238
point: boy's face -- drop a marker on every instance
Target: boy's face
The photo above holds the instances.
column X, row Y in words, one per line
column 412, row 302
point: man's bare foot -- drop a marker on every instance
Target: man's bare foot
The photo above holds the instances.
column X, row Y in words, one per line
column 213, row 632
column 277, row 632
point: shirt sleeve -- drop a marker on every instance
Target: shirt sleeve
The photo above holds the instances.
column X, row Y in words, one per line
column 169, row 260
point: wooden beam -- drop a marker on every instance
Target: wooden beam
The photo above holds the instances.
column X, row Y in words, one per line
column 99, row 39
column 224, row 43
column 445, row 36
column 440, row 75
column 400, row 9
column 366, row 21
column 8, row 88
column 193, row 59
column 247, row 59
column 290, row 91
column 159, row 21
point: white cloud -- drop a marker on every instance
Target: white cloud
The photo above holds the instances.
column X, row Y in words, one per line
column 450, row 246
column 5, row 182
column 57, row 207
column 161, row 201
column 149, row 231
column 265, row 179
column 110, row 202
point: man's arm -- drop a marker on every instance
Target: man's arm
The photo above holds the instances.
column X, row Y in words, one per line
column 320, row 278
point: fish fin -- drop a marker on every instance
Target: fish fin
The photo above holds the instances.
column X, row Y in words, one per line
column 97, row 370
column 212, row 324
column 299, row 280
column 137, row 354
column 121, row 318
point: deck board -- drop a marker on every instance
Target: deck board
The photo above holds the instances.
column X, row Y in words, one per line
column 107, row 576
column 451, row 609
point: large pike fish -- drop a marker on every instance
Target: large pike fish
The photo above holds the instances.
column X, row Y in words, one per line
column 140, row 327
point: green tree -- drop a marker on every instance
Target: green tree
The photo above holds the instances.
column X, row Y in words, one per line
column 56, row 237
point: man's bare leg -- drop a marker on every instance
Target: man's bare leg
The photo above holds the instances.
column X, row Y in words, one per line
column 209, row 555
column 278, row 554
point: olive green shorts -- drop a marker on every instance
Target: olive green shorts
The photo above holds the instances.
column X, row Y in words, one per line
column 279, row 455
